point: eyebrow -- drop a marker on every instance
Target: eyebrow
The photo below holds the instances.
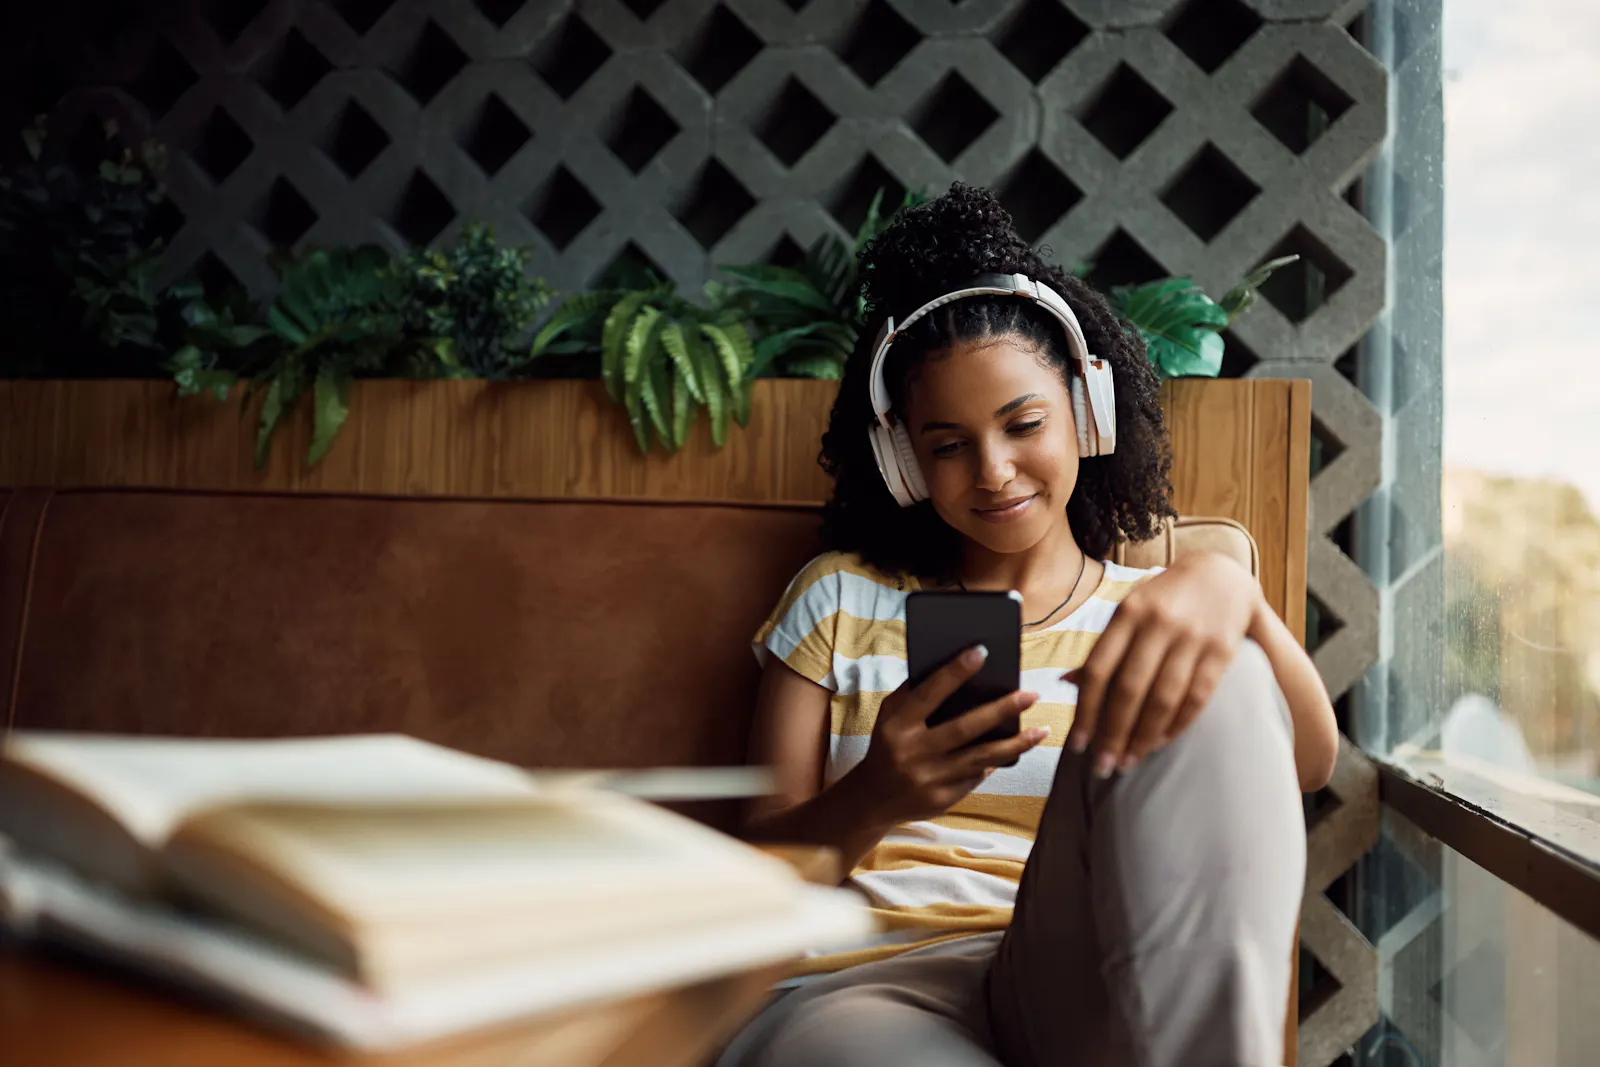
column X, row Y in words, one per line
column 1001, row 412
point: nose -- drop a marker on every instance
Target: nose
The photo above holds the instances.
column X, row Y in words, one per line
column 996, row 467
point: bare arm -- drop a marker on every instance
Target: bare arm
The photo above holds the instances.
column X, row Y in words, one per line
column 790, row 735
column 911, row 771
column 1316, row 733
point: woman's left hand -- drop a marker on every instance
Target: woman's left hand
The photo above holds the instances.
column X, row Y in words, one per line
column 1161, row 658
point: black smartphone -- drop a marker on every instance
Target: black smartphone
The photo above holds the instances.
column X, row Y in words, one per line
column 941, row 625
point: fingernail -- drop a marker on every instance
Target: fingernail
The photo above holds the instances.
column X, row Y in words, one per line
column 1026, row 699
column 1129, row 762
column 1104, row 764
column 1038, row 733
column 1078, row 742
column 976, row 655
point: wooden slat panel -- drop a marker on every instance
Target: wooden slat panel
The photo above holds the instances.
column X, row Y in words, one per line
column 1239, row 449
column 477, row 439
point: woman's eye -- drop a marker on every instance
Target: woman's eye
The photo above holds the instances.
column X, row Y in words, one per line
column 1025, row 428
column 949, row 448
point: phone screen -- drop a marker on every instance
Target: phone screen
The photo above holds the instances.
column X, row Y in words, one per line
column 941, row 625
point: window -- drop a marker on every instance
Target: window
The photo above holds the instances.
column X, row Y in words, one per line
column 1483, row 896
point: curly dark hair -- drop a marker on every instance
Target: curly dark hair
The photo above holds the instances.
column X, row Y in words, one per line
column 927, row 251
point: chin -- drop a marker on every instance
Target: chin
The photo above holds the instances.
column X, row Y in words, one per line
column 1007, row 537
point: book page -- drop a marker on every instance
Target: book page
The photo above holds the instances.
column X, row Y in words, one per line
column 150, row 784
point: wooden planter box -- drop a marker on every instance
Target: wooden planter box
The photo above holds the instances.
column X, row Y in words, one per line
column 1240, row 449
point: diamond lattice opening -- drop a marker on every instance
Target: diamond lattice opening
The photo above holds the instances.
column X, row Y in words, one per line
column 794, row 122
column 215, row 278
column 354, row 140
column 1321, row 623
column 1209, row 193
column 166, row 76
column 951, row 117
column 430, row 63
column 786, row 253
column 796, row 5
column 1237, row 357
column 1302, row 287
column 852, row 197
column 1123, row 261
column 1325, row 446
column 1319, row 805
column 422, row 211
column 1300, row 105
column 639, row 129
column 562, row 208
column 292, row 69
column 877, row 42
column 166, row 219
column 715, row 204
column 230, row 17
column 361, row 15
column 493, row 134
column 283, row 216
column 570, row 56
column 221, row 146
column 721, row 49
column 1039, row 36
column 499, row 12
column 643, row 9
column 1209, row 31
column 1124, row 111
column 1037, row 195
column 630, row 268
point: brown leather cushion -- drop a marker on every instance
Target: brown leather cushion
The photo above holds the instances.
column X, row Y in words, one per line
column 549, row 633
column 553, row 633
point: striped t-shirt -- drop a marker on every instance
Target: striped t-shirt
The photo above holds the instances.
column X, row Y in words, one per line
column 842, row 624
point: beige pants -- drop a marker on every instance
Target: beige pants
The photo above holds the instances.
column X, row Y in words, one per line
column 1153, row 928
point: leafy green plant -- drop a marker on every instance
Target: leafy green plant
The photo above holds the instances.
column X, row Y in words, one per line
column 807, row 317
column 477, row 299
column 661, row 356
column 336, row 316
column 80, row 244
column 1182, row 326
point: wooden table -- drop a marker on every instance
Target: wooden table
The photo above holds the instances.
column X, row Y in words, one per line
column 58, row 1013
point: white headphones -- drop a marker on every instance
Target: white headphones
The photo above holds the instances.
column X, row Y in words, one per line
column 1092, row 390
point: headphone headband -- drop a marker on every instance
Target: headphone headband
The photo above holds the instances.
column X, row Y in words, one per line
column 984, row 285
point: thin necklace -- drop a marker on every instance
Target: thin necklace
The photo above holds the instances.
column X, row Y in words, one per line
column 1083, row 561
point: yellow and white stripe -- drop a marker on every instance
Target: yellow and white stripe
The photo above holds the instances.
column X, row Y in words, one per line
column 842, row 624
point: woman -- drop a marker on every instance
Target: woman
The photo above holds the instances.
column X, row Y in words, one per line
column 1143, row 916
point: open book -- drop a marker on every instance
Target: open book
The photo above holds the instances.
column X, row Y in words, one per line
column 396, row 867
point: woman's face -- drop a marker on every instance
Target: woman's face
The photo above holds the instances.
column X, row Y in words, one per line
column 992, row 426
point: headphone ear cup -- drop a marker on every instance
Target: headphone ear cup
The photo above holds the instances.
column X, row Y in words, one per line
column 1085, row 396
column 916, row 488
column 885, row 452
column 1081, row 419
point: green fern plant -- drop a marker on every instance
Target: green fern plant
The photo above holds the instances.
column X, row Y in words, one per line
column 807, row 317
column 661, row 356
column 336, row 316
column 1182, row 326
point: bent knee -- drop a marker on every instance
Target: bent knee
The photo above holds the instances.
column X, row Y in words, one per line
column 1246, row 710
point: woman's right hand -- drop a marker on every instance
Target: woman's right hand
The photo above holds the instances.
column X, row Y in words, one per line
column 913, row 771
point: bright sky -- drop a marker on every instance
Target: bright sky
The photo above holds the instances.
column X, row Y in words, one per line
column 1522, row 238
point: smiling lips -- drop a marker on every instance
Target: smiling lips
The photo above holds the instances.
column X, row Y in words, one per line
column 1006, row 510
